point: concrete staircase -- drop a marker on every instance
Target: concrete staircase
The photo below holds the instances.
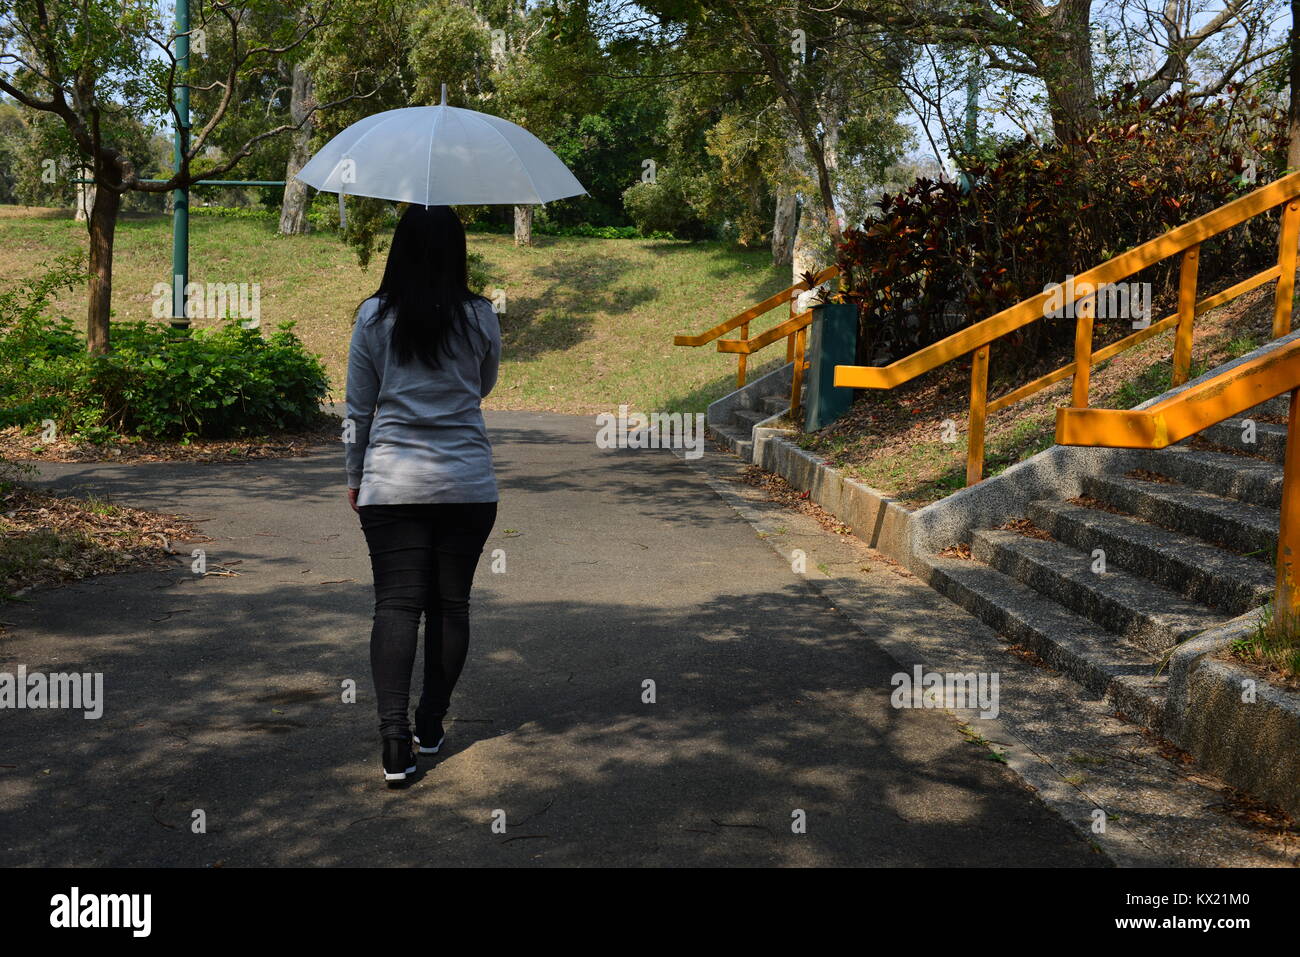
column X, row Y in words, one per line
column 1188, row 539
column 732, row 419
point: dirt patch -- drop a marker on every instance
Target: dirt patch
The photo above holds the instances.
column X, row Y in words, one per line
column 17, row 446
column 48, row 539
column 782, row 492
column 1263, row 670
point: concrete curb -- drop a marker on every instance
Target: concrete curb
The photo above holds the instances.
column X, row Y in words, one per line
column 909, row 536
column 876, row 518
column 1250, row 744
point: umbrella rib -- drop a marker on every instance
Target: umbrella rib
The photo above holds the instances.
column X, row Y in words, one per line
column 428, row 164
column 522, row 165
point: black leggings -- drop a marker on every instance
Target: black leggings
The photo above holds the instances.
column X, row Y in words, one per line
column 423, row 558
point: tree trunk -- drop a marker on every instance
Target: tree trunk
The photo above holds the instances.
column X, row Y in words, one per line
column 786, row 220
column 293, row 208
column 523, row 225
column 1065, row 65
column 813, row 241
column 1293, row 111
column 830, row 109
column 783, row 225
column 828, row 214
column 103, row 223
column 817, row 235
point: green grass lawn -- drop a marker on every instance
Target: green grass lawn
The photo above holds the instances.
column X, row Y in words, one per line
column 588, row 323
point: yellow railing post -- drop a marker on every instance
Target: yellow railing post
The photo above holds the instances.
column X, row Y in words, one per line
column 1286, row 254
column 1083, row 310
column 742, row 360
column 1288, row 540
column 796, row 385
column 1186, row 314
column 979, row 388
column 789, row 340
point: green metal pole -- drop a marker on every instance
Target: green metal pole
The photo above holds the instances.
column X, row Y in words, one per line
column 181, row 197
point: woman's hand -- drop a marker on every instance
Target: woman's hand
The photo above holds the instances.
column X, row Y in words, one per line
column 352, row 500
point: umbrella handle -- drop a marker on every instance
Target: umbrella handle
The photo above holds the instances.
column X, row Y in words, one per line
column 343, row 213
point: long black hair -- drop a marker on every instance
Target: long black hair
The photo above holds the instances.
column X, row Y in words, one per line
column 426, row 284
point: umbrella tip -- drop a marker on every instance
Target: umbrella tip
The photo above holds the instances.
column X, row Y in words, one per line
column 444, row 94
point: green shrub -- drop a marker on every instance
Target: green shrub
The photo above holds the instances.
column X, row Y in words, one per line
column 36, row 349
column 157, row 382
column 12, row 474
column 236, row 212
column 663, row 206
column 214, row 383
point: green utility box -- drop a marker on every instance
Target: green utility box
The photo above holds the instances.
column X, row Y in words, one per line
column 832, row 341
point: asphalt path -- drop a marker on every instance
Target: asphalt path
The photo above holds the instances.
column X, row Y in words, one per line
column 648, row 684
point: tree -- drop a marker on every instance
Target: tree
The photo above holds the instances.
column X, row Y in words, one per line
column 13, row 138
column 101, row 65
column 1293, row 107
column 1053, row 43
column 789, row 92
column 293, row 207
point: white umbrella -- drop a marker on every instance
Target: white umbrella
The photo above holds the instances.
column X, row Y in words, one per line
column 440, row 156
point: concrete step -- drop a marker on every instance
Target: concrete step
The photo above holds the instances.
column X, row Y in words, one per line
column 748, row 418
column 1100, row 661
column 1232, row 476
column 1236, row 525
column 740, row 442
column 775, row 403
column 1274, row 408
column 1147, row 615
column 1197, row 570
column 1270, row 439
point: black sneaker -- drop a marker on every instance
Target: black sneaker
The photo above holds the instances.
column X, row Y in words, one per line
column 434, row 734
column 399, row 761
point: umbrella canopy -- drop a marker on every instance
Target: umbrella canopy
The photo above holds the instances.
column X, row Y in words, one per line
column 440, row 156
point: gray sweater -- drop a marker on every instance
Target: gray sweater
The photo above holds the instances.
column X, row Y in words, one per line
column 419, row 433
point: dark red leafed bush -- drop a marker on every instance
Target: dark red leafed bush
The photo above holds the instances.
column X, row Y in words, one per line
column 938, row 257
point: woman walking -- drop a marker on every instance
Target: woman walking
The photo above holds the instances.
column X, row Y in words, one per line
column 424, row 353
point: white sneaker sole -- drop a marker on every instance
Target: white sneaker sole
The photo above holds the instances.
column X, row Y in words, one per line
column 398, row 775
column 433, row 750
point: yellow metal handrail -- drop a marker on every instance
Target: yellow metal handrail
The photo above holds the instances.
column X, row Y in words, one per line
column 1185, row 239
column 1227, row 394
column 793, row 330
